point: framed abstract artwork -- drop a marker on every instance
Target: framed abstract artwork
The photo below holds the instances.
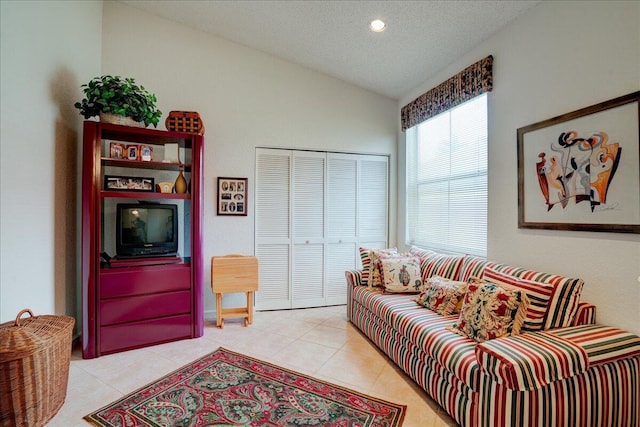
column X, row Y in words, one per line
column 581, row 170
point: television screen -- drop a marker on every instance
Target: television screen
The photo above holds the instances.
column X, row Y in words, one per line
column 146, row 229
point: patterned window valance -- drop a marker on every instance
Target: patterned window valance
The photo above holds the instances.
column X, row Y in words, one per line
column 474, row 80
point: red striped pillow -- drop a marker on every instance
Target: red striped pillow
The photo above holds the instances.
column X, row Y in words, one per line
column 365, row 257
column 370, row 270
column 563, row 305
column 538, row 295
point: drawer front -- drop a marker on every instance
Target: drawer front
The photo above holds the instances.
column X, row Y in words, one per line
column 120, row 282
column 133, row 308
column 138, row 334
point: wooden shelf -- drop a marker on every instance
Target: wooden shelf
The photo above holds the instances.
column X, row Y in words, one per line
column 145, row 195
column 106, row 161
column 145, row 135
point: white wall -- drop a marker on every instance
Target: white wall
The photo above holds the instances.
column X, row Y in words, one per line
column 247, row 99
column 557, row 58
column 48, row 48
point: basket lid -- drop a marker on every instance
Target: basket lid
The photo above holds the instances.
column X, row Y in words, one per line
column 23, row 337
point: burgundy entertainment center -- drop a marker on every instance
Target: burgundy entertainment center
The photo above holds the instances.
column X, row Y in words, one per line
column 136, row 302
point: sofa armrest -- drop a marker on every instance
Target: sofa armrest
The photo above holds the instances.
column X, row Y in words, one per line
column 602, row 344
column 532, row 360
column 354, row 277
column 586, row 314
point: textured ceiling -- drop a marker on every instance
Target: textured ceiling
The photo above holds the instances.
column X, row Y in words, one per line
column 333, row 37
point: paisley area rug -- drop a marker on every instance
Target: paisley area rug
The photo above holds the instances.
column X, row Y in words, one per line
column 225, row 388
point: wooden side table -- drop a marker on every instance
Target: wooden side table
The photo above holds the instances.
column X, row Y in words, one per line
column 234, row 273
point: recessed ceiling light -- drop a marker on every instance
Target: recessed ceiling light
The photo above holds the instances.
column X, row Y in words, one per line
column 377, row 25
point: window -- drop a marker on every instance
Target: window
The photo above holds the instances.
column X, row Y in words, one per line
column 447, row 180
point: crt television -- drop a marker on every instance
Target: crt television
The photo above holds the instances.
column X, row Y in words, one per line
column 149, row 229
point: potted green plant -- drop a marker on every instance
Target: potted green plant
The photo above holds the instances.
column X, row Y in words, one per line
column 120, row 97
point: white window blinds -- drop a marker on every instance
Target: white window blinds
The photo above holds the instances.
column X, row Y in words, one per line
column 447, row 180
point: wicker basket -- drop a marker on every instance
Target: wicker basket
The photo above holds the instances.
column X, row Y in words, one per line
column 34, row 368
column 184, row 121
column 120, row 120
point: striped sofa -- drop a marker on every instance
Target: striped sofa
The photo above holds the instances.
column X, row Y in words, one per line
column 576, row 374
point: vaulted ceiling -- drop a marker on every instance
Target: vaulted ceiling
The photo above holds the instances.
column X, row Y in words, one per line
column 333, row 37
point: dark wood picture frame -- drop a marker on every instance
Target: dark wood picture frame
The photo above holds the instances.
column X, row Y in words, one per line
column 232, row 196
column 581, row 170
column 128, row 183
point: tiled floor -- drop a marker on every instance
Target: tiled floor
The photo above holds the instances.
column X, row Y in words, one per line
column 318, row 341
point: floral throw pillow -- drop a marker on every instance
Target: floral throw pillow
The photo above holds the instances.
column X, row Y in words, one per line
column 490, row 311
column 442, row 295
column 374, row 279
column 537, row 293
column 401, row 273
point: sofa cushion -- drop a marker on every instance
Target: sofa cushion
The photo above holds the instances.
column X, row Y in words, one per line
column 490, row 311
column 438, row 264
column 442, row 295
column 427, row 330
column 537, row 293
column 531, row 361
column 400, row 273
column 472, row 266
column 564, row 301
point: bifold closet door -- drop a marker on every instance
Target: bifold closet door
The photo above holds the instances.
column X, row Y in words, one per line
column 342, row 225
column 313, row 211
column 308, row 254
column 273, row 224
column 373, row 201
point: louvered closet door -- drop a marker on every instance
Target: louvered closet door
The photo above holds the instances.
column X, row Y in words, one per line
column 342, row 210
column 373, row 173
column 313, row 211
column 273, row 241
column 308, row 200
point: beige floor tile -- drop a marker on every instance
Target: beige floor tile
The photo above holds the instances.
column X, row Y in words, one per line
column 313, row 315
column 326, row 335
column 85, row 393
column 286, row 327
column 305, row 357
column 354, row 368
column 317, row 342
column 185, row 351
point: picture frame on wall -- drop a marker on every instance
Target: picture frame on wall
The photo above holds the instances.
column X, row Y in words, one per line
column 128, row 183
column 232, row 196
column 581, row 170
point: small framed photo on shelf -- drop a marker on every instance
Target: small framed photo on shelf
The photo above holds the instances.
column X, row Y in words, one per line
column 232, row 196
column 128, row 183
column 146, row 153
column 133, row 152
column 117, row 150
